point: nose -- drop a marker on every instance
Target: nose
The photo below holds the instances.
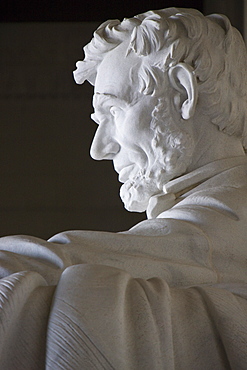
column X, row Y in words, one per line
column 103, row 145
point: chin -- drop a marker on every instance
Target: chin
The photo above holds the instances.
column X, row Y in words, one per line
column 134, row 200
column 136, row 193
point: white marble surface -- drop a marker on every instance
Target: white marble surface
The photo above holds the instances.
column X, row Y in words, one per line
column 170, row 293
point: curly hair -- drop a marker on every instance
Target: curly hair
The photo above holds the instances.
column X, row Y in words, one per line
column 210, row 45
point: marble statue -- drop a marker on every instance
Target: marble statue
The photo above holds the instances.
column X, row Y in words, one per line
column 171, row 292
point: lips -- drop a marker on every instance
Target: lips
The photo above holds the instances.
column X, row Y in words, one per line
column 127, row 172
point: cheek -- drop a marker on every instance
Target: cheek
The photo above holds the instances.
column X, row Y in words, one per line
column 133, row 130
column 136, row 125
column 126, row 129
column 136, row 144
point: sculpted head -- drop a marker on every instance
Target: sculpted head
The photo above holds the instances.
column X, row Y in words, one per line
column 165, row 82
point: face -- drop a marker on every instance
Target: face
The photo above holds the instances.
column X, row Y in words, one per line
column 125, row 134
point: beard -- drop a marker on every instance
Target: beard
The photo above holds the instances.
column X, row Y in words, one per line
column 172, row 148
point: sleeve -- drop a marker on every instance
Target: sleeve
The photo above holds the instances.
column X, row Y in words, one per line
column 103, row 318
column 180, row 253
column 25, row 301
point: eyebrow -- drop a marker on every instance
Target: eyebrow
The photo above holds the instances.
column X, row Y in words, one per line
column 103, row 97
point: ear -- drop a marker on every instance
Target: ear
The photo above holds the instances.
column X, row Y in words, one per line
column 183, row 80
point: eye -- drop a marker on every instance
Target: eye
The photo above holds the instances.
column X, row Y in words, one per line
column 114, row 111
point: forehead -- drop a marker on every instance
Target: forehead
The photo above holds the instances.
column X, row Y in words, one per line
column 118, row 74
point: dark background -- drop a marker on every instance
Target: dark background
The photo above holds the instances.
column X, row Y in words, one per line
column 84, row 10
column 96, row 10
column 48, row 181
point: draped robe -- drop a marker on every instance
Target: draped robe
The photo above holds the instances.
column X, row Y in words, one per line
column 170, row 293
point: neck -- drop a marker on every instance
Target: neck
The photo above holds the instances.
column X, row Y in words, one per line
column 213, row 145
column 175, row 189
